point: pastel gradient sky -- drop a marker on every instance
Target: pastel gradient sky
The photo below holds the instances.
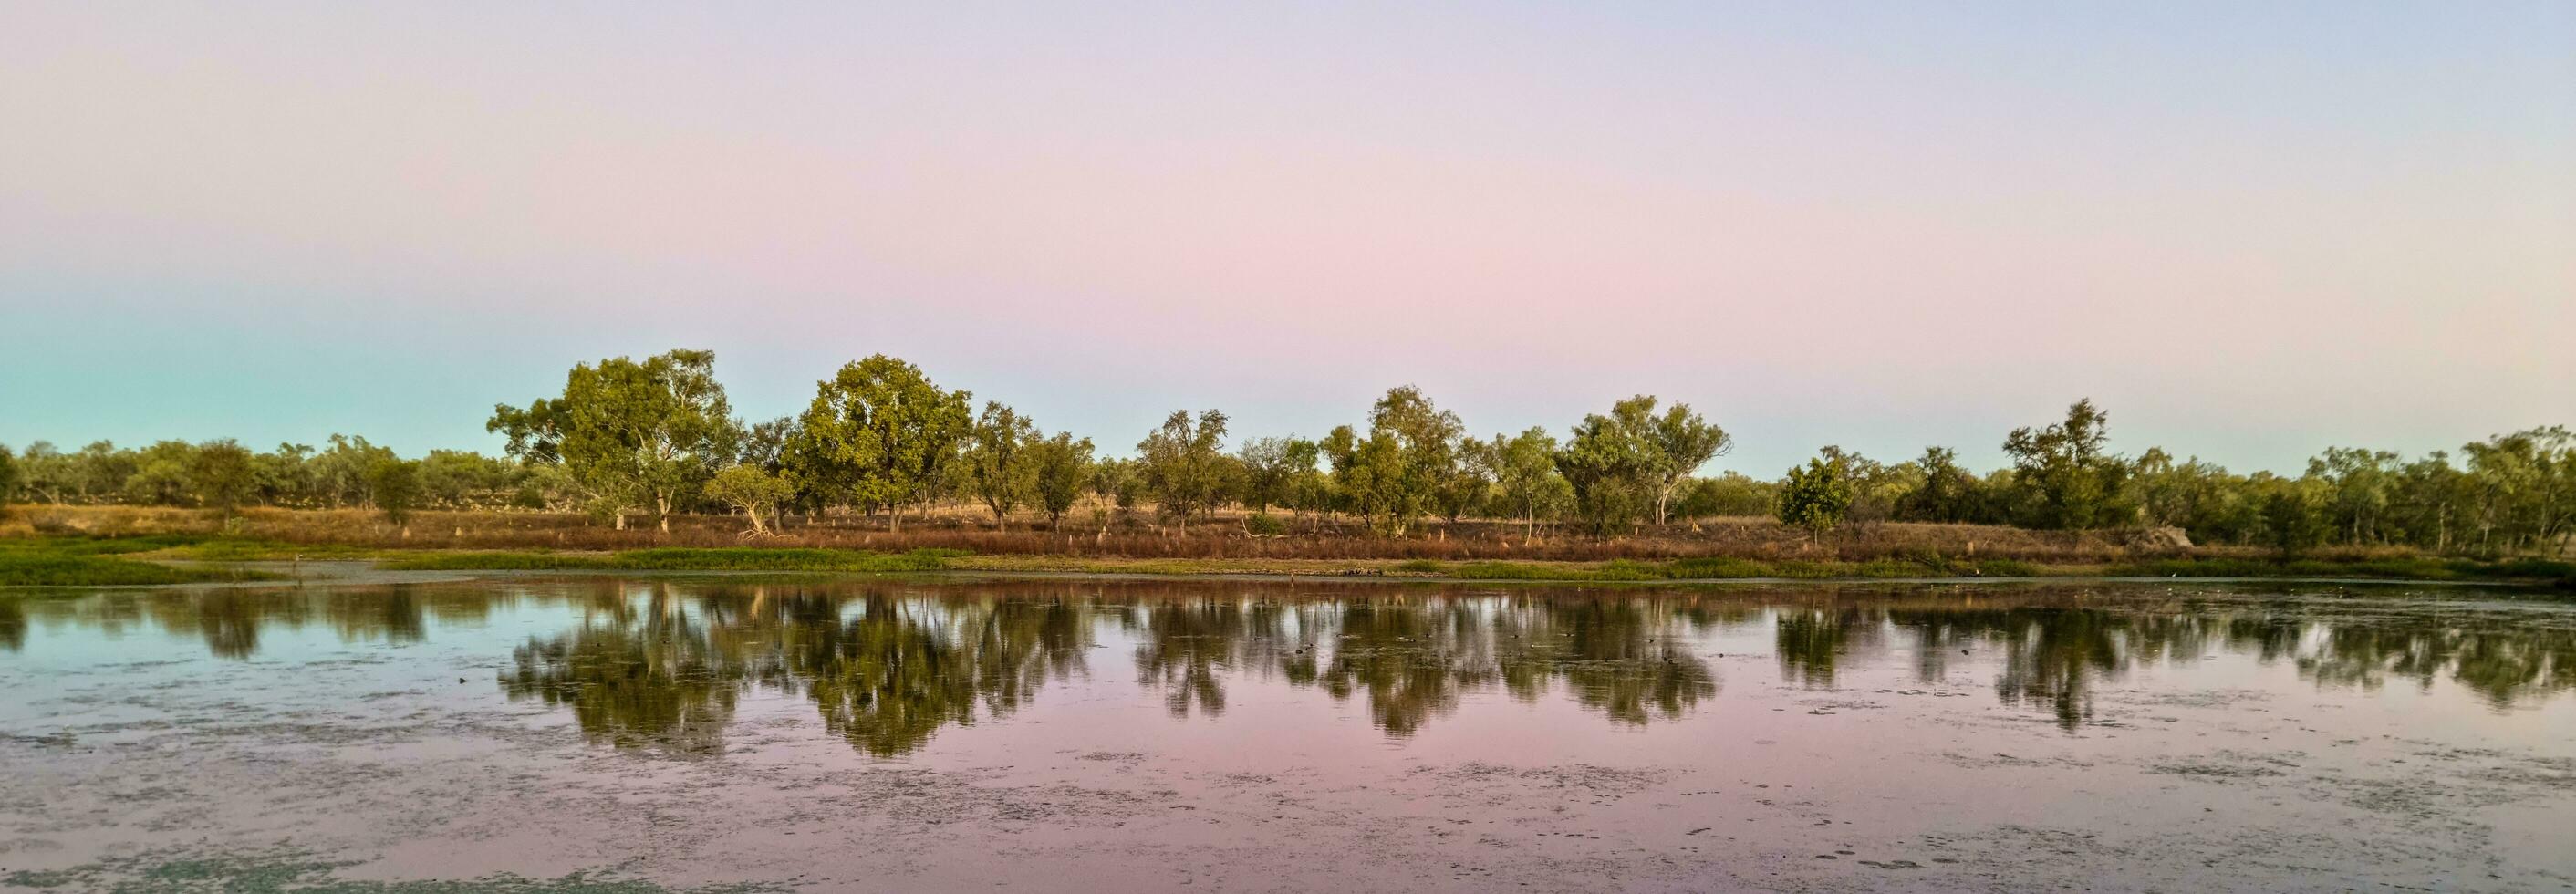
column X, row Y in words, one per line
column 2249, row 229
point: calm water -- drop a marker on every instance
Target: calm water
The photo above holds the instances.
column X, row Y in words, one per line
column 1104, row 735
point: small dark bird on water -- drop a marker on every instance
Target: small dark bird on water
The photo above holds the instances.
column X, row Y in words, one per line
column 460, row 679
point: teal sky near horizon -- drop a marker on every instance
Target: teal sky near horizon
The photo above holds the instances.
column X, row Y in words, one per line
column 2249, row 230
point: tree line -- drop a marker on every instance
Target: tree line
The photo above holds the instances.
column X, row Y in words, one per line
column 652, row 438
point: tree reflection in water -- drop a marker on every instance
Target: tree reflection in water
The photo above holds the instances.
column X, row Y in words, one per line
column 662, row 665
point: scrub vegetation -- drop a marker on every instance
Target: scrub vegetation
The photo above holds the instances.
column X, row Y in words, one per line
column 633, row 455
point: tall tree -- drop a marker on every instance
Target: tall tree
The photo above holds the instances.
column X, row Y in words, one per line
column 1268, row 465
column 997, row 462
column 653, row 431
column 1061, row 468
column 2068, row 477
column 1674, row 444
column 1526, row 482
column 879, row 434
column 394, row 485
column 222, row 477
column 1605, row 464
column 1181, row 464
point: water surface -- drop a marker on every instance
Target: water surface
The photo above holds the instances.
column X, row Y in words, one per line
column 875, row 735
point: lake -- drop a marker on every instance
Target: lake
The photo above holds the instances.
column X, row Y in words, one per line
column 1069, row 734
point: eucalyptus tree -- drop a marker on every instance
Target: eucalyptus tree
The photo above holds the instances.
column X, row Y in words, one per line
column 1267, row 468
column 1817, row 495
column 2356, row 489
column 47, row 473
column 1605, row 464
column 754, row 490
column 221, row 476
column 1059, row 467
column 11, row 477
column 997, row 460
column 338, row 474
column 1673, row 445
column 1309, row 488
column 1182, row 464
column 879, row 434
column 1947, row 492
column 1525, row 478
column 394, row 485
column 1424, row 458
column 2069, row 479
column 630, row 433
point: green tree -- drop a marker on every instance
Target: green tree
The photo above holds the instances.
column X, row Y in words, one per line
column 1673, row 445
column 1181, row 465
column 1816, row 496
column 879, row 434
column 222, row 477
column 1268, row 466
column 997, row 461
column 754, row 490
column 11, row 477
column 1605, row 464
column 630, row 433
column 1948, row 493
column 1526, row 482
column 1419, row 458
column 394, row 486
column 1061, row 468
column 47, row 473
column 2071, row 481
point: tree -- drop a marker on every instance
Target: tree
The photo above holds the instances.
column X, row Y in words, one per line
column 997, row 463
column 1526, row 483
column 1180, row 464
column 2069, row 480
column 1673, row 445
column 394, row 486
column 1413, row 447
column 47, row 473
column 1816, row 496
column 1060, row 467
column 754, row 490
column 879, row 434
column 630, row 432
column 1268, row 465
column 1604, row 464
column 221, row 475
column 10, row 476
column 1948, row 493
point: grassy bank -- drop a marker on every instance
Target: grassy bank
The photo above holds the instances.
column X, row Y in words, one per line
column 79, row 562
column 681, row 559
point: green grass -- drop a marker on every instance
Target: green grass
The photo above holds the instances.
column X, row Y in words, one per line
column 1714, row 568
column 682, row 559
column 82, row 562
column 2420, row 568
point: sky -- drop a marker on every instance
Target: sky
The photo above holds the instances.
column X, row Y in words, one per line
column 2249, row 230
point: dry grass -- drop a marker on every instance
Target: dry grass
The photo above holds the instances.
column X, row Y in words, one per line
column 1223, row 537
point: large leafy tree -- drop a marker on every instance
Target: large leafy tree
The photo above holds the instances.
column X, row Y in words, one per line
column 1268, row 466
column 222, row 476
column 1060, row 468
column 1672, row 446
column 1182, row 464
column 2069, row 480
column 997, row 460
column 1523, row 471
column 1605, row 464
column 879, row 434
column 630, row 433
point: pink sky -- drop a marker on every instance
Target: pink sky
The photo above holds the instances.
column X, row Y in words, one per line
column 2249, row 233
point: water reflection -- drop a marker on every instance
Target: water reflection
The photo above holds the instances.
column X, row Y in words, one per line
column 663, row 665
